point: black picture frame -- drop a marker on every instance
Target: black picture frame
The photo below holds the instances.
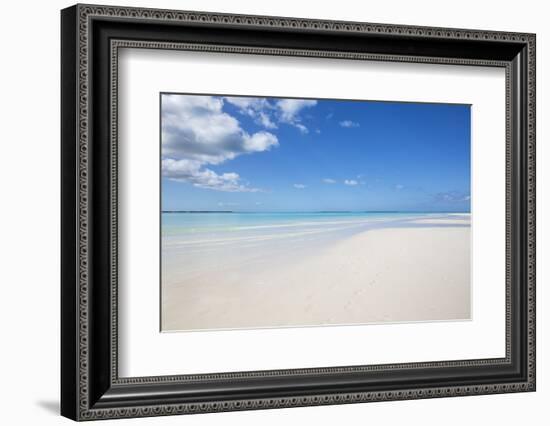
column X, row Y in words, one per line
column 90, row 386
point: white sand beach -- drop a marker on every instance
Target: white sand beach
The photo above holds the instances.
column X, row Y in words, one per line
column 418, row 271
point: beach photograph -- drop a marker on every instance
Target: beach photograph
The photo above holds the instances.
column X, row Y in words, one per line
column 290, row 212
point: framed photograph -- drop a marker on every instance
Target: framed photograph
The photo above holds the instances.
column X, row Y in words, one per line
column 263, row 212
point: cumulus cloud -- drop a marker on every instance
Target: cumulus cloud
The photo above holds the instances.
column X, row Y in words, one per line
column 328, row 180
column 269, row 113
column 291, row 107
column 246, row 104
column 348, row 123
column 260, row 141
column 260, row 109
column 299, row 186
column 264, row 120
column 195, row 127
column 193, row 172
column 351, row 182
column 289, row 111
column 196, row 132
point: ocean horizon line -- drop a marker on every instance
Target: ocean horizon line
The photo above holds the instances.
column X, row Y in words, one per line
column 313, row 211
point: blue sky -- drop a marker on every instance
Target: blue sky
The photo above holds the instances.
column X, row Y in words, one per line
column 274, row 154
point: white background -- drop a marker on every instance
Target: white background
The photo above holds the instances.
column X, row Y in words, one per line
column 146, row 352
column 29, row 225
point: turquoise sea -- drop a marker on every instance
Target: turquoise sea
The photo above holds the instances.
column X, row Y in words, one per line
column 200, row 230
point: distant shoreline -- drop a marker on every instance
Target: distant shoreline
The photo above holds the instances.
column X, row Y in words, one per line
column 197, row 211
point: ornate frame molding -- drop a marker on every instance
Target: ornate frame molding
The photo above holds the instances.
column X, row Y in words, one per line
column 78, row 24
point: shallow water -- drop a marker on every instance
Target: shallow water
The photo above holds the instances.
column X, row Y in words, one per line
column 201, row 243
column 200, row 229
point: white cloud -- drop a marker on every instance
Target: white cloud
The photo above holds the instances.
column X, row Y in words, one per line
column 196, row 132
column 195, row 127
column 246, row 103
column 348, row 123
column 328, row 180
column 193, row 172
column 260, row 141
column 291, row 107
column 227, row 204
column 289, row 110
column 257, row 108
column 351, row 182
column 268, row 114
column 265, row 121
column 299, row 186
column 303, row 129
column 399, row 187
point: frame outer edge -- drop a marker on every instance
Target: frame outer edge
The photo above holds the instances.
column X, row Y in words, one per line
column 83, row 85
column 69, row 190
column 531, row 200
column 81, row 318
